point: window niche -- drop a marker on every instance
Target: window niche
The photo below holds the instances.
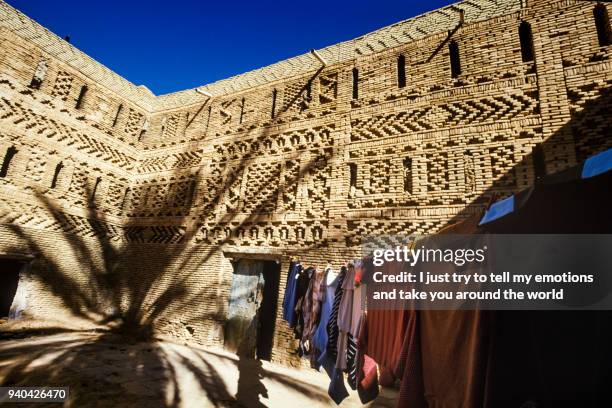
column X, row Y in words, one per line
column 401, row 71
column 526, row 38
column 407, row 174
column 94, row 192
column 81, row 98
column 39, row 75
column 455, row 61
column 352, row 179
column 241, row 118
column 273, row 113
column 116, row 119
column 602, row 24
column 355, row 77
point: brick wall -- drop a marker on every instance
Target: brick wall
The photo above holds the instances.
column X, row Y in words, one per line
column 131, row 203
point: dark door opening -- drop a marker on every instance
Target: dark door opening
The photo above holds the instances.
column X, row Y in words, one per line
column 267, row 310
column 249, row 330
column 9, row 279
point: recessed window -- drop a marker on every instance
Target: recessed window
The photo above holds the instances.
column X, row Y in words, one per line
column 408, row 175
column 241, row 111
column 355, row 83
column 274, row 92
column 208, row 118
column 401, row 71
column 92, row 199
column 56, row 174
column 143, row 131
column 602, row 23
column 81, row 98
column 300, row 233
column 116, row 119
column 455, row 62
column 352, row 175
column 8, row 157
column 39, row 75
column 163, row 127
column 526, row 38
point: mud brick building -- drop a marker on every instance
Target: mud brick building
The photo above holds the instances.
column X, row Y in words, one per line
column 118, row 206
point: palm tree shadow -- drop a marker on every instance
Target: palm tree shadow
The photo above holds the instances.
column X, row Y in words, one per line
column 128, row 303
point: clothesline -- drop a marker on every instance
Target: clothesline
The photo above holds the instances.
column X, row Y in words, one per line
column 324, row 308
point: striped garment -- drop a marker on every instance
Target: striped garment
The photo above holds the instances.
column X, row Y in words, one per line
column 332, row 325
column 351, row 361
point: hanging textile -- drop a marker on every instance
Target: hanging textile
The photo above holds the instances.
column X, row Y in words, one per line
column 366, row 370
column 358, row 291
column 332, row 325
column 312, row 312
column 290, row 292
column 303, row 281
column 345, row 316
column 326, row 297
column 385, row 331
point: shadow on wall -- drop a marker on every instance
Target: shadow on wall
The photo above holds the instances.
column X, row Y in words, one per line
column 130, row 289
column 585, row 134
column 130, row 303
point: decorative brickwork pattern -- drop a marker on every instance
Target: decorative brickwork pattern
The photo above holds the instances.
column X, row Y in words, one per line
column 295, row 159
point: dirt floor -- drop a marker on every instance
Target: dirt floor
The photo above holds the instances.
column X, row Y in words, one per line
column 105, row 370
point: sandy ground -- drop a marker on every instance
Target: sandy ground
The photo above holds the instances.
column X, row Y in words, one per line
column 103, row 370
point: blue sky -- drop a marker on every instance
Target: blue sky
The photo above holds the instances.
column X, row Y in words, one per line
column 174, row 45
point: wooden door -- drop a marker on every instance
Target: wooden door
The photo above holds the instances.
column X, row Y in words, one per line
column 245, row 298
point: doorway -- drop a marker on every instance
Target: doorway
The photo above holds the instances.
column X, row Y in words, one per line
column 249, row 330
column 9, row 279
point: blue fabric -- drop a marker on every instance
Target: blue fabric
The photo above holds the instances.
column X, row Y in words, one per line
column 337, row 390
column 319, row 339
column 289, row 299
column 598, row 164
column 498, row 210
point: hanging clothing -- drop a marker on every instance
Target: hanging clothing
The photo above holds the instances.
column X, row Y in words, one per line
column 312, row 305
column 359, row 294
column 337, row 390
column 345, row 308
column 351, row 360
column 409, row 368
column 290, row 289
column 303, row 281
column 326, row 297
column 386, row 329
column 349, row 321
column 345, row 316
column 311, row 316
column 332, row 325
column 366, row 370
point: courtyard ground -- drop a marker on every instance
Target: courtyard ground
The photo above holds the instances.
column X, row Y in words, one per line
column 106, row 370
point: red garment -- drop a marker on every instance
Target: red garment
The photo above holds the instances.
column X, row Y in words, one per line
column 443, row 361
column 385, row 333
column 385, row 328
column 367, row 370
column 409, row 367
